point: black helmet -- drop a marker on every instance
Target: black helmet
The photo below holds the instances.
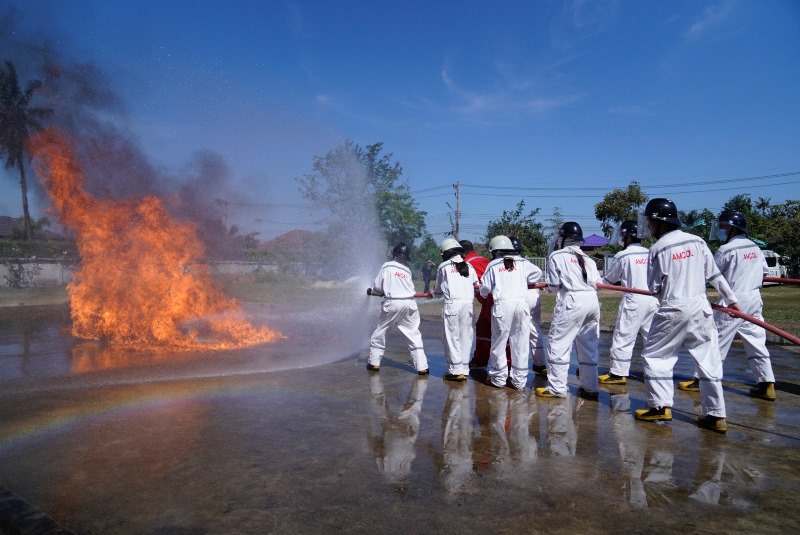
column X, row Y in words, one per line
column 663, row 210
column 516, row 243
column 629, row 229
column 401, row 251
column 733, row 218
column 571, row 231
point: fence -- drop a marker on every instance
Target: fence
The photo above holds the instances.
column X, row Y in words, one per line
column 26, row 273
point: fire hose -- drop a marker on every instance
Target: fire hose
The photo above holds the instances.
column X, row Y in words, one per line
column 764, row 325
column 377, row 293
column 747, row 317
column 781, row 280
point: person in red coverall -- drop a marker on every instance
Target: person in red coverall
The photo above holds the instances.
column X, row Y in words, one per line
column 483, row 326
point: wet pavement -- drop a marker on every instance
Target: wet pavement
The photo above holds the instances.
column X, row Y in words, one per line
column 105, row 441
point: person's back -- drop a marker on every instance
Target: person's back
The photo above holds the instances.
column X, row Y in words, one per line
column 629, row 268
column 565, row 273
column 742, row 264
column 395, row 280
column 509, row 284
column 680, row 265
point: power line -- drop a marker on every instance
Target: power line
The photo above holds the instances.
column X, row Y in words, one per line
column 641, row 183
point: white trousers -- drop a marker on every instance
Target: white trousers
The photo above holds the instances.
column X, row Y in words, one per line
column 754, row 338
column 536, row 338
column 404, row 314
column 685, row 325
column 510, row 325
column 634, row 317
column 576, row 318
column 459, row 331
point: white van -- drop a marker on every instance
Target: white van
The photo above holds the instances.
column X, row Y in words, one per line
column 776, row 264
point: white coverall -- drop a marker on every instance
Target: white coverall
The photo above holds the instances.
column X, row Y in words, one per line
column 743, row 265
column 458, row 313
column 680, row 266
column 395, row 281
column 635, row 313
column 510, row 318
column 576, row 318
column 537, row 347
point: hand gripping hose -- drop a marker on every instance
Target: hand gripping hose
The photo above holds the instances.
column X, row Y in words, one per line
column 771, row 328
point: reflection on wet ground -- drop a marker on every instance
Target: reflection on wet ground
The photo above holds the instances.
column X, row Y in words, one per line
column 240, row 442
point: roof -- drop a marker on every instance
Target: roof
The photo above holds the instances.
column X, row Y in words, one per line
column 294, row 240
column 593, row 240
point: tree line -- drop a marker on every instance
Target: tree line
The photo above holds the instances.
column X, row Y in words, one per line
column 363, row 191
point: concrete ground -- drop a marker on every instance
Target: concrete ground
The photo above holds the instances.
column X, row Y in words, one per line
column 104, row 441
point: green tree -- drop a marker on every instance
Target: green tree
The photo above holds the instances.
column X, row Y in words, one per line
column 697, row 222
column 360, row 187
column 523, row 226
column 762, row 205
column 619, row 205
column 556, row 221
column 17, row 119
column 428, row 250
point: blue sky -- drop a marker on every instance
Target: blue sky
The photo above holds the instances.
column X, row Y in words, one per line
column 574, row 98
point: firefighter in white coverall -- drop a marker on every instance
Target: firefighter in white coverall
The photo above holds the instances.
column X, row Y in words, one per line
column 576, row 317
column 628, row 268
column 456, row 281
column 743, row 265
column 536, row 338
column 395, row 282
column 507, row 278
column 680, row 264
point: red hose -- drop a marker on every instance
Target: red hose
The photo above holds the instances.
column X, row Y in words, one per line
column 781, row 280
column 771, row 328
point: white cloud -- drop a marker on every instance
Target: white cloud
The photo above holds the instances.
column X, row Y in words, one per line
column 713, row 16
column 513, row 97
column 635, row 110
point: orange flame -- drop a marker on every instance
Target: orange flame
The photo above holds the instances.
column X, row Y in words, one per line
column 135, row 286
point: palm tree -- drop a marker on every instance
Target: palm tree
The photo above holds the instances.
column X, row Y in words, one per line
column 762, row 205
column 17, row 119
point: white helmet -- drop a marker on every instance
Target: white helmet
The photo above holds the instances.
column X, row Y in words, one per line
column 500, row 243
column 449, row 243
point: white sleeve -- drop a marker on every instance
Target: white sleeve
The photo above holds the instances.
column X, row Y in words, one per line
column 488, row 282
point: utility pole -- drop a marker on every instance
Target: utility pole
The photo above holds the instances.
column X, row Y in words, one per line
column 457, row 187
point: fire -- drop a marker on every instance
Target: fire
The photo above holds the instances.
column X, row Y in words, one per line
column 139, row 284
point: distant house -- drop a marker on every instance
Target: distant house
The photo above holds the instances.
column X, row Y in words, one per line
column 292, row 244
column 593, row 241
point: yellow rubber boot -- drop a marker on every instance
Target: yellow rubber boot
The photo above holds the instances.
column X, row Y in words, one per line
column 611, row 379
column 763, row 391
column 690, row 386
column 713, row 423
column 664, row 414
